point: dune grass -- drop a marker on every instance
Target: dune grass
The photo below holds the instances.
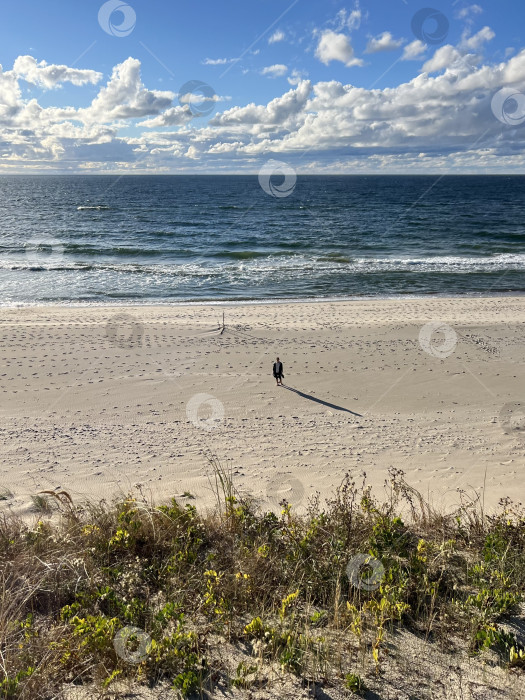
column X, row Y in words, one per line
column 102, row 592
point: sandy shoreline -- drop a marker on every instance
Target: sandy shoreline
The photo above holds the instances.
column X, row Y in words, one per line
column 101, row 399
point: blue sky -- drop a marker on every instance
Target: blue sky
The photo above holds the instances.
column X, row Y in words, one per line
column 325, row 87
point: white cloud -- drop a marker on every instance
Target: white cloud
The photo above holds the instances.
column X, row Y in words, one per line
column 218, row 61
column 275, row 71
column 470, row 10
column 383, row 42
column 350, row 20
column 413, row 51
column 475, row 42
column 280, row 111
column 448, row 55
column 436, row 116
column 194, row 98
column 277, row 36
column 49, row 75
column 175, row 116
column 296, row 77
column 427, row 124
column 354, row 20
column 336, row 47
column 10, row 97
column 192, row 153
column 125, row 97
column 444, row 57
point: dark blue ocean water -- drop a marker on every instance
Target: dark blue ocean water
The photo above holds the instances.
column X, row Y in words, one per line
column 149, row 239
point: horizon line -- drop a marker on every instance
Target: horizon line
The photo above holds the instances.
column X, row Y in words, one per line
column 256, row 173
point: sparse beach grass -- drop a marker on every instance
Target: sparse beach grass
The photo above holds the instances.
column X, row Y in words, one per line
column 104, row 593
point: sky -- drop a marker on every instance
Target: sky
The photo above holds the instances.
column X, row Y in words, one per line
column 158, row 86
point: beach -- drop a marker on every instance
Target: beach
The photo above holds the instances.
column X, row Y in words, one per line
column 102, row 400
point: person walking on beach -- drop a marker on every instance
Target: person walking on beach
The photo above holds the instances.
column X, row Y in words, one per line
column 278, row 372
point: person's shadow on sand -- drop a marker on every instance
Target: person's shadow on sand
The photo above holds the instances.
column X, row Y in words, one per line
column 324, row 403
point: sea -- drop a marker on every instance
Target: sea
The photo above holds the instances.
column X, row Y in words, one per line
column 148, row 239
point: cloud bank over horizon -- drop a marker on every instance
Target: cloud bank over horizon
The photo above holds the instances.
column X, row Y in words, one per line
column 442, row 120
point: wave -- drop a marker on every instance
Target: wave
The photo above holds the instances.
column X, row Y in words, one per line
column 256, row 262
column 448, row 263
column 334, row 258
column 241, row 255
column 79, row 249
column 98, row 207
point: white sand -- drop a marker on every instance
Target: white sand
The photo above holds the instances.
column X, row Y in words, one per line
column 88, row 410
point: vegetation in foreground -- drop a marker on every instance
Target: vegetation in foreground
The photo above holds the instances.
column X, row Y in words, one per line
column 128, row 590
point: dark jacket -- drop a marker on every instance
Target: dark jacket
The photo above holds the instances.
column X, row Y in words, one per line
column 278, row 369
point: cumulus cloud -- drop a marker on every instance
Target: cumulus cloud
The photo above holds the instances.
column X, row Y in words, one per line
column 194, row 99
column 444, row 57
column 429, row 115
column 413, row 51
column 336, row 47
column 431, row 122
column 280, row 111
column 175, row 116
column 277, row 36
column 383, row 42
column 296, row 77
column 475, row 42
column 275, row 71
column 192, row 153
column 10, row 97
column 125, row 97
column 49, row 75
column 467, row 51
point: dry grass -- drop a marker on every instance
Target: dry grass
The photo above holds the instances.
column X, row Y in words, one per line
column 279, row 588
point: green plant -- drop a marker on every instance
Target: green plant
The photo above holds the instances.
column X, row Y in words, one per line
column 267, row 585
column 9, row 687
column 244, row 675
column 355, row 684
column 41, row 504
column 319, row 618
column 517, row 656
